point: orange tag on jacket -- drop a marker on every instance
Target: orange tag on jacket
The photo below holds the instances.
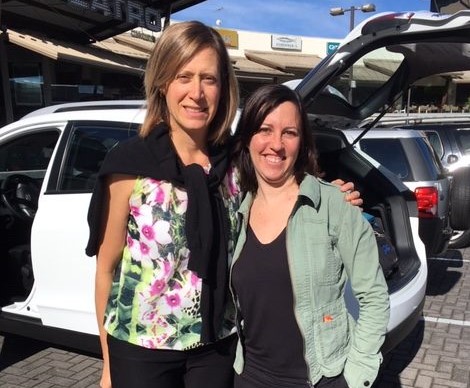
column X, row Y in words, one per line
column 327, row 318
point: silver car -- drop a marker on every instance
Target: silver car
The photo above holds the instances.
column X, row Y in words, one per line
column 409, row 155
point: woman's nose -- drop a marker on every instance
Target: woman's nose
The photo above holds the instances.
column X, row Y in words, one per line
column 196, row 91
column 276, row 141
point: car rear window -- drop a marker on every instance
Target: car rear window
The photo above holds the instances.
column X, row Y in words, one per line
column 436, row 142
column 411, row 159
column 389, row 153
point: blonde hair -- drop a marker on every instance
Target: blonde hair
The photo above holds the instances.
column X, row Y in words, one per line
column 177, row 45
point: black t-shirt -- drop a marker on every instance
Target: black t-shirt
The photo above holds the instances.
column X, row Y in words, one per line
column 272, row 340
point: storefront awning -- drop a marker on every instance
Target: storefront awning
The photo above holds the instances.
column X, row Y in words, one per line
column 121, row 47
column 244, row 65
column 285, row 62
column 384, row 66
column 364, row 74
column 461, row 77
column 136, row 42
column 90, row 55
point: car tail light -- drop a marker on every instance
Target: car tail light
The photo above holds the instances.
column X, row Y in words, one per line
column 427, row 199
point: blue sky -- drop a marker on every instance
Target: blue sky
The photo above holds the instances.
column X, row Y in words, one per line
column 289, row 17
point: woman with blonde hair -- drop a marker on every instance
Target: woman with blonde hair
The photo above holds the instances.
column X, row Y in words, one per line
column 163, row 223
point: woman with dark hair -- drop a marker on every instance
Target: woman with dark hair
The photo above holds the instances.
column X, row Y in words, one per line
column 299, row 243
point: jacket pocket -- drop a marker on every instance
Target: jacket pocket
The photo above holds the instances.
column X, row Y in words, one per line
column 327, row 265
column 332, row 332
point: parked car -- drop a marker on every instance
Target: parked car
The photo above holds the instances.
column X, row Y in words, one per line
column 48, row 163
column 452, row 145
column 408, row 154
column 449, row 135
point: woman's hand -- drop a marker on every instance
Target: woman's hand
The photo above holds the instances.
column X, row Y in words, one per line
column 352, row 196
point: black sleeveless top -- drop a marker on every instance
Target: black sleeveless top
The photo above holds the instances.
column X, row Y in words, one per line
column 272, row 340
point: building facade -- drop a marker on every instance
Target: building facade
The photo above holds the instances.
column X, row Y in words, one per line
column 90, row 51
column 54, row 51
column 83, row 53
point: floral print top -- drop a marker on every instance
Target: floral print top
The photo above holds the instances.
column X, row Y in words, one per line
column 155, row 299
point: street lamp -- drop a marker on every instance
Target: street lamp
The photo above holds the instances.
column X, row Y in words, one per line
column 352, row 9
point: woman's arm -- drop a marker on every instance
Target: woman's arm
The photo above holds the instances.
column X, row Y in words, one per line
column 115, row 216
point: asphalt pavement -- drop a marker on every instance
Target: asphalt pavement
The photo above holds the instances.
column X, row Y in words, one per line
column 436, row 354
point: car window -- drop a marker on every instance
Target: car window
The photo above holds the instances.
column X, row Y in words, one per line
column 86, row 150
column 31, row 152
column 389, row 153
column 463, row 140
column 366, row 76
column 431, row 168
column 436, row 143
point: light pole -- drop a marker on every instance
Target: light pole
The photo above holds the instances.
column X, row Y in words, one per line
column 352, row 9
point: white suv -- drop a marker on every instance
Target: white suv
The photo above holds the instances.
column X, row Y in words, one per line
column 48, row 165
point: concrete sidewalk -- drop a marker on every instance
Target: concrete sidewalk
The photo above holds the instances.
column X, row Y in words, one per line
column 436, row 354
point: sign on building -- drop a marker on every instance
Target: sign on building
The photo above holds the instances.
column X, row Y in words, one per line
column 331, row 47
column 286, row 42
column 132, row 11
column 230, row 37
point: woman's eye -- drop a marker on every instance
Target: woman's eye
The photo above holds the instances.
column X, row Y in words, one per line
column 291, row 133
column 183, row 77
column 210, row 79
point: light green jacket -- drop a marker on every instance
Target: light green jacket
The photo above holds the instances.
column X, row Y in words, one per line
column 329, row 241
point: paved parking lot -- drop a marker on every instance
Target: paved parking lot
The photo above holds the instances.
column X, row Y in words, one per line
column 436, row 354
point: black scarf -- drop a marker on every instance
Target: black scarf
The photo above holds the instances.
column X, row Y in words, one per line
column 206, row 224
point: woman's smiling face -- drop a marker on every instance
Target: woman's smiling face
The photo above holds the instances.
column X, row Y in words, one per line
column 193, row 96
column 274, row 148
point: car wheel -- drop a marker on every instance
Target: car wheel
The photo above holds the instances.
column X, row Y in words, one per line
column 460, row 239
column 460, row 200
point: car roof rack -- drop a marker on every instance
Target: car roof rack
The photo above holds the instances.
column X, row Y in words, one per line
column 392, row 119
column 88, row 105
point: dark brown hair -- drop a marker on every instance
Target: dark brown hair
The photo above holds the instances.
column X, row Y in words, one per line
column 262, row 102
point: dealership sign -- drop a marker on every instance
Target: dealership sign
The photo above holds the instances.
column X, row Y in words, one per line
column 131, row 11
column 331, row 47
column 285, row 42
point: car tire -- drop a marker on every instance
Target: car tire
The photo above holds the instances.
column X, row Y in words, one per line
column 460, row 200
column 460, row 239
